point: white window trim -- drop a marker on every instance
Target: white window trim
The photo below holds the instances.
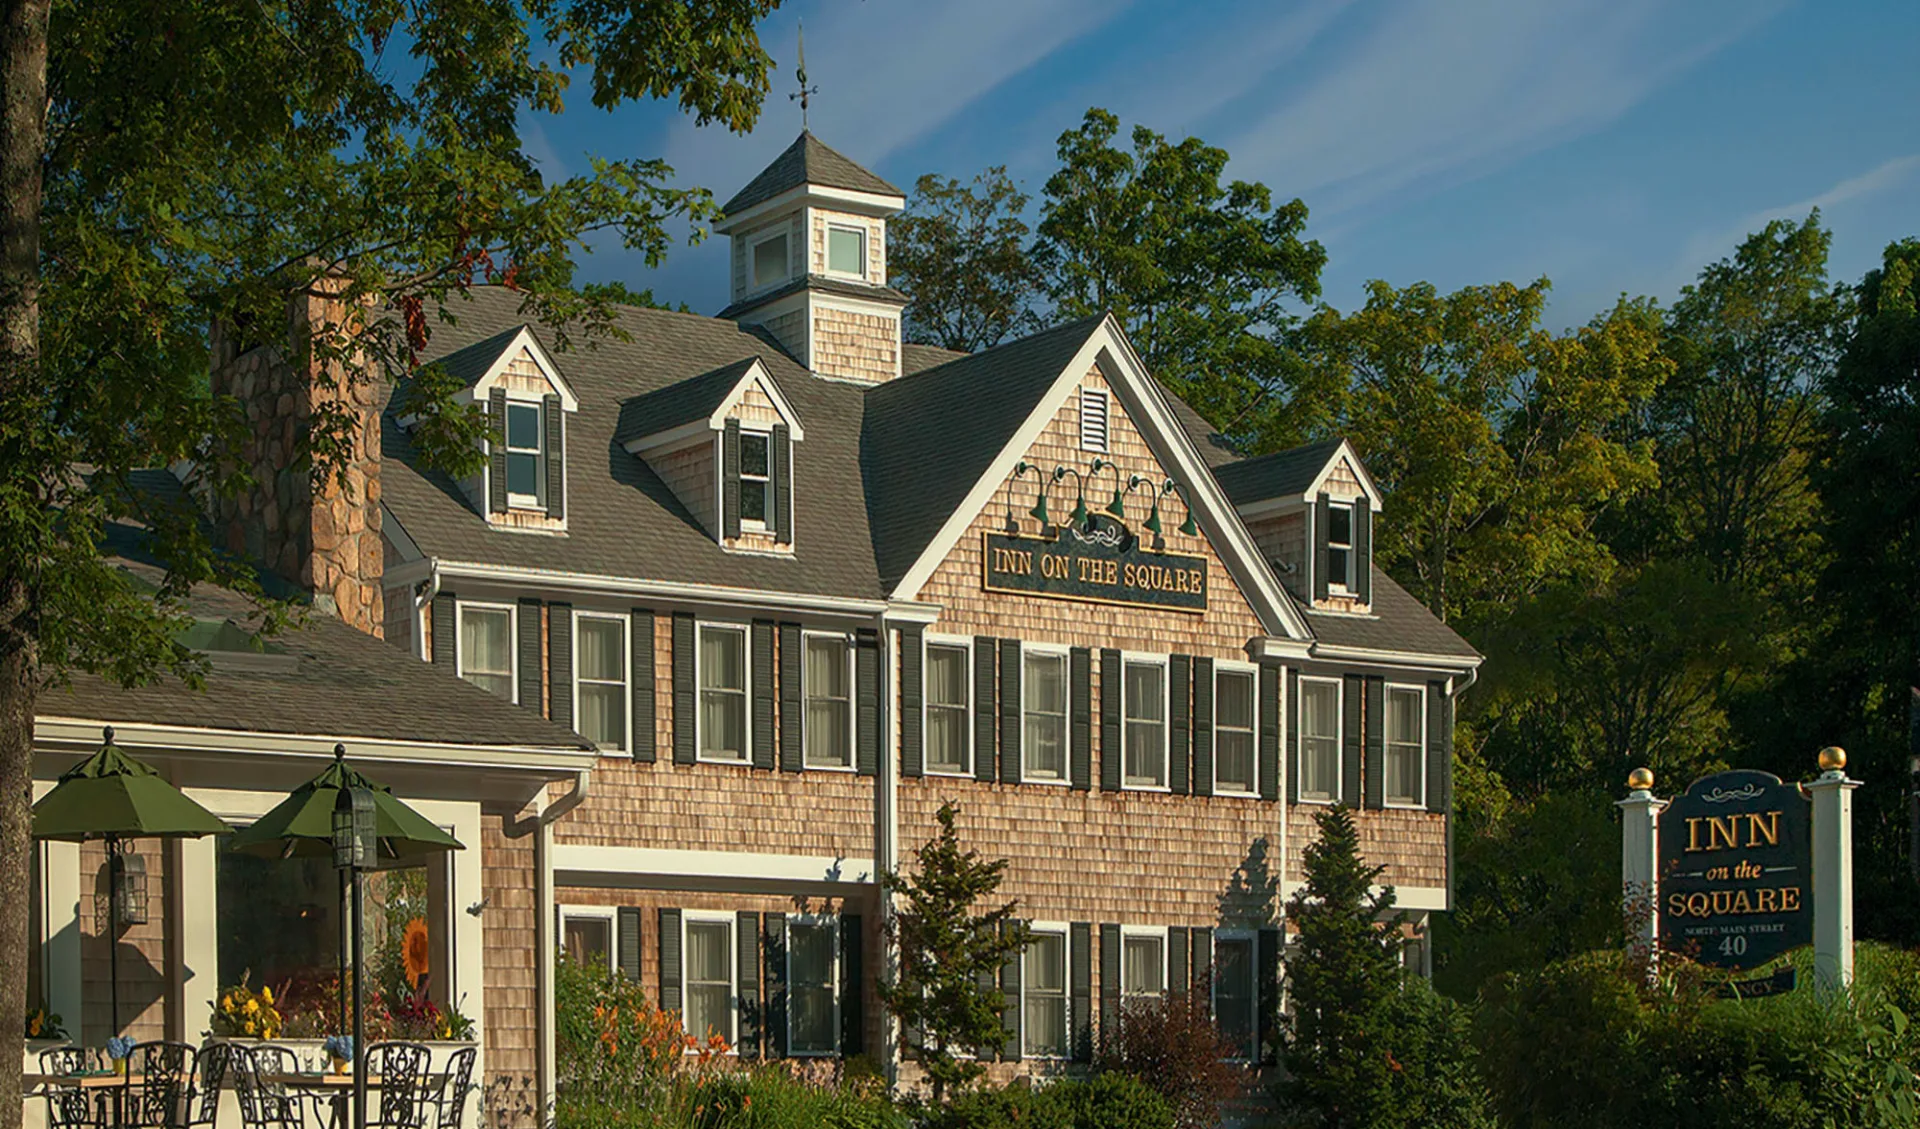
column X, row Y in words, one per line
column 599, row 913
column 853, row 704
column 1253, row 966
column 1053, row 929
column 1420, row 803
column 700, row 628
column 626, row 676
column 1339, row 737
column 513, row 638
column 832, row 921
column 537, row 499
column 964, row 645
column 1137, row 658
column 1156, row 931
column 1234, row 666
column 753, row 253
column 1343, row 585
column 751, row 525
column 690, row 918
column 827, row 249
column 1065, row 779
column 1106, row 399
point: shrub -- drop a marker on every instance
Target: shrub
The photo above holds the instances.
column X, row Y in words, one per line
column 1106, row 1101
column 1173, row 1047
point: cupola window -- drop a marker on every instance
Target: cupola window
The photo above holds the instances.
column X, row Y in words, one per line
column 770, row 260
column 847, row 251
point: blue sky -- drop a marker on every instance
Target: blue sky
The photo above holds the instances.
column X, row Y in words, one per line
column 1610, row 145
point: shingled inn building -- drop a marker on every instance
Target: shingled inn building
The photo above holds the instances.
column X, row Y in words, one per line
column 773, row 586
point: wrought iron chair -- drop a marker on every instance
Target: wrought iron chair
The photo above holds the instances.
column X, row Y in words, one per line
column 209, row 1077
column 451, row 1110
column 265, row 1104
column 404, row 1090
column 158, row 1076
column 70, row 1107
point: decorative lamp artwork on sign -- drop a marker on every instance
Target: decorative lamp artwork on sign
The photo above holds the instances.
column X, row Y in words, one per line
column 1736, row 870
column 1095, row 556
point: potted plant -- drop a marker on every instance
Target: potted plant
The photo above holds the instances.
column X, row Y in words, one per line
column 44, row 1032
column 339, row 1050
column 118, row 1048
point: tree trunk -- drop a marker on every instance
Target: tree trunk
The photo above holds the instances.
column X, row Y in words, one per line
column 23, row 111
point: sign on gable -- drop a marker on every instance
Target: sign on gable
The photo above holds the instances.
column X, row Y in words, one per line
column 1103, row 563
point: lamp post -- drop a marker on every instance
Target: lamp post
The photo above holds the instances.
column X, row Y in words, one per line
column 354, row 844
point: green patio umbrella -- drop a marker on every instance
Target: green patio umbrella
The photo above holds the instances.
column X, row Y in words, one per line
column 113, row 797
column 302, row 824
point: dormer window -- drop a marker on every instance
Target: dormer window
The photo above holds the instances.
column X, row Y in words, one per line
column 846, row 251
column 770, row 260
column 526, row 478
column 756, row 479
column 1340, row 545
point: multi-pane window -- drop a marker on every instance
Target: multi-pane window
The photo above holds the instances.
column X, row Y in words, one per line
column 525, row 483
column 812, row 1023
column 770, row 260
column 1043, row 686
column 486, row 648
column 723, row 693
column 1043, row 979
column 1236, row 994
column 847, row 250
column 709, row 979
column 1319, row 740
column 1340, row 545
column 829, row 694
column 756, row 478
column 600, row 674
column 1233, row 741
column 1143, row 967
column 1406, row 744
column 587, row 939
column 946, row 675
column 1145, row 723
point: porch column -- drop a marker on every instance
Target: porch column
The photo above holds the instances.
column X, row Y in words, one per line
column 1833, row 873
column 544, row 942
column 1640, row 862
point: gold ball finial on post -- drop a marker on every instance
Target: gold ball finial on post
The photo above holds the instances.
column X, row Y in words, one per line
column 1833, row 758
column 1640, row 780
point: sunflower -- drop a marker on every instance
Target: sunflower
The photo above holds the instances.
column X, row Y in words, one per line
column 414, row 951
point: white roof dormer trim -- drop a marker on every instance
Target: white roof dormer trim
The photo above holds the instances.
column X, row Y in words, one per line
column 680, row 434
column 1345, row 451
column 498, row 368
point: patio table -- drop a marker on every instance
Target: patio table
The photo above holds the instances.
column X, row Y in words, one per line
column 337, row 1089
column 108, row 1086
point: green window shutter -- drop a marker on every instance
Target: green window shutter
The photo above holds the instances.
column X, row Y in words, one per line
column 627, row 921
column 1179, row 725
column 1010, row 763
column 985, row 719
column 670, row 980
column 446, row 615
column 1269, row 767
column 532, row 679
column 1080, row 727
column 555, row 420
column 1109, row 982
column 1203, row 727
column 746, row 937
column 866, row 703
column 763, row 693
column 793, row 753
column 730, row 480
column 1352, row 692
column 775, row 935
column 644, row 735
column 1201, row 968
column 1080, row 984
column 1178, row 940
column 1439, row 748
column 1363, row 550
column 497, row 451
column 686, row 692
column 853, row 1001
column 1322, row 556
column 781, row 472
column 1376, row 754
column 913, row 754
column 1267, row 998
column 560, row 659
column 1109, row 721
column 1010, row 1004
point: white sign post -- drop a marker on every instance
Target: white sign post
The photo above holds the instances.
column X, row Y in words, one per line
column 1833, row 872
column 1640, row 861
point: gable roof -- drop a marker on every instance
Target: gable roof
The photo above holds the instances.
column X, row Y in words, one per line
column 915, row 357
column 1281, row 474
column 1398, row 623
column 478, row 365
column 807, row 161
column 697, row 401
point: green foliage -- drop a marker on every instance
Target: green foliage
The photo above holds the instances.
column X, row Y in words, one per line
column 960, row 251
column 1105, row 1101
column 943, row 991
column 1173, row 1046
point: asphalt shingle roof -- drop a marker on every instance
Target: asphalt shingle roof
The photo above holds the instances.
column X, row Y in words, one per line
column 807, row 161
column 1279, row 475
column 669, row 407
column 825, row 284
column 468, row 365
column 1398, row 623
column 917, row 358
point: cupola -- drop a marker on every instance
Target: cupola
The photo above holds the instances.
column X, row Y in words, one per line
column 809, row 262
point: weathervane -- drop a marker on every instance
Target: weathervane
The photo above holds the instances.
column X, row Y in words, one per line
column 800, row 73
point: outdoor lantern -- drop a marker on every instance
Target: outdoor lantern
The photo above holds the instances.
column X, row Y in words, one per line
column 129, row 889
column 354, row 838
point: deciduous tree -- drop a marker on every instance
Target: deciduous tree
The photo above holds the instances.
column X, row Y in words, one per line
column 960, row 252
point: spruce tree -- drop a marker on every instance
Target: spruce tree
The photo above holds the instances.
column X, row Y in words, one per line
column 945, row 992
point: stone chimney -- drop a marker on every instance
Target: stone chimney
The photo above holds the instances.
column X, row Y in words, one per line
column 322, row 536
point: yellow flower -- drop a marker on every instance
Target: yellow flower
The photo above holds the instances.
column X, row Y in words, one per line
column 253, row 1007
column 266, row 994
column 415, row 950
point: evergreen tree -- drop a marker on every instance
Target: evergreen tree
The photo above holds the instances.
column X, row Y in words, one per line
column 945, row 992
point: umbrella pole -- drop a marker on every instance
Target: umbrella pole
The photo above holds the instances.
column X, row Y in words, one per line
column 113, row 934
column 346, row 942
column 359, row 1018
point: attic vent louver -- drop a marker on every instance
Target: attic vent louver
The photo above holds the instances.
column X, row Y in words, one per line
column 1093, row 419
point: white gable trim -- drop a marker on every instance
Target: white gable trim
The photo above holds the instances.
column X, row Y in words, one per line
column 495, row 370
column 1345, row 451
column 757, row 373
column 878, row 205
column 1107, row 347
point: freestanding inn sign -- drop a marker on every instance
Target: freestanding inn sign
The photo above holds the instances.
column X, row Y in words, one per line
column 1736, row 870
column 1103, row 562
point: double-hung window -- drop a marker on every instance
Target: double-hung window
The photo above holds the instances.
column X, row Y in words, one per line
column 1233, row 729
column 770, row 260
column 1236, row 995
column 1319, row 739
column 723, row 692
column 1043, row 688
column 587, row 936
column 846, row 251
column 756, row 479
column 1145, row 722
column 1043, row 984
column 600, row 678
column 947, row 735
column 708, row 987
column 486, row 648
column 813, row 963
column 1143, row 967
column 828, row 685
column 1406, row 743
column 526, row 485
column 1340, row 545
